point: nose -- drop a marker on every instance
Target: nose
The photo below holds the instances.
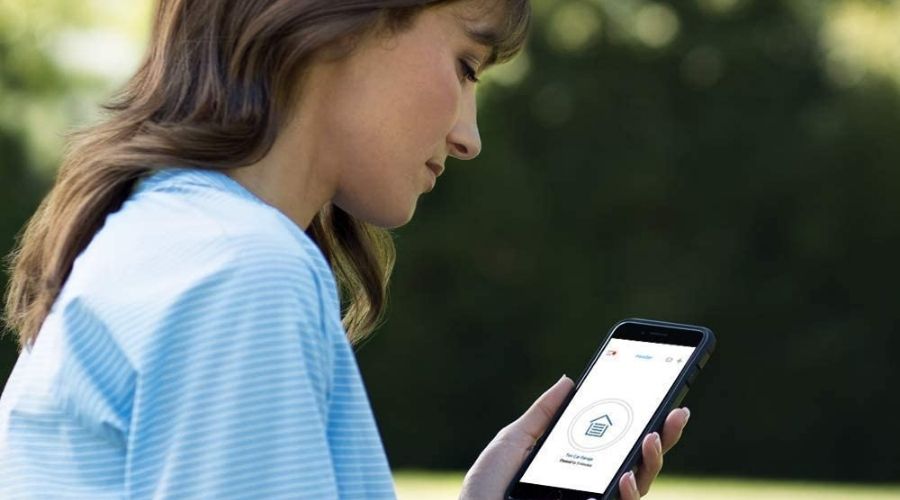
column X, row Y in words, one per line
column 464, row 141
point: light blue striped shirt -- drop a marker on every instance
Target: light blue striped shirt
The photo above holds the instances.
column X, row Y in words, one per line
column 196, row 351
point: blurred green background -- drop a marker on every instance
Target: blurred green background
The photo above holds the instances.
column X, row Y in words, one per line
column 732, row 163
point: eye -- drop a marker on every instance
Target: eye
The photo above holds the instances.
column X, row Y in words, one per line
column 468, row 71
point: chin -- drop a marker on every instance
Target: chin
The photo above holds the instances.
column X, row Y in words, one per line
column 393, row 221
column 392, row 218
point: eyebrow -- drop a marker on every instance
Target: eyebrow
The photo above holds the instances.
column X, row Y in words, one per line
column 486, row 37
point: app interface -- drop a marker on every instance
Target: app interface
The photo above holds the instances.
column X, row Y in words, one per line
column 607, row 415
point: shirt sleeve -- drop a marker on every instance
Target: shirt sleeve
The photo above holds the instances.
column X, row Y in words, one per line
column 231, row 400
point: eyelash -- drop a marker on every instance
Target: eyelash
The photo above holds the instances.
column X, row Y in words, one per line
column 468, row 71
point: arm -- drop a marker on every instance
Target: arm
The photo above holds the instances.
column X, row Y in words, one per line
column 231, row 397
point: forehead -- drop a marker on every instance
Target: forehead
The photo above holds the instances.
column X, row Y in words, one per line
column 480, row 15
column 481, row 20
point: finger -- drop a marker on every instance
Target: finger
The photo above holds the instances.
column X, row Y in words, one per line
column 628, row 487
column 652, row 463
column 673, row 427
column 534, row 422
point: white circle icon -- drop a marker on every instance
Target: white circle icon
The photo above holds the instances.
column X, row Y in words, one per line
column 600, row 425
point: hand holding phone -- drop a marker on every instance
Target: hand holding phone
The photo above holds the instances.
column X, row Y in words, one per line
column 498, row 463
column 642, row 371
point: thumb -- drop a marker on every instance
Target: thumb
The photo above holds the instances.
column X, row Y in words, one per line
column 497, row 464
column 534, row 422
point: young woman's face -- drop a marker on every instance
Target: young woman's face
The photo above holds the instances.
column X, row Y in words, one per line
column 391, row 112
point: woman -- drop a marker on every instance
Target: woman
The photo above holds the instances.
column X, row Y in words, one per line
column 176, row 294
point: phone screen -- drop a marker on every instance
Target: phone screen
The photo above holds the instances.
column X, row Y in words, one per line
column 607, row 415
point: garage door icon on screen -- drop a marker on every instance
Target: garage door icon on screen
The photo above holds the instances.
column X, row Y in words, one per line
column 600, row 425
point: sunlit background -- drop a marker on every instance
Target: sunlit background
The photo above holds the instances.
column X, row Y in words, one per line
column 732, row 163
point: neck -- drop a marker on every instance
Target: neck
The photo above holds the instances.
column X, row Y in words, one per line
column 290, row 177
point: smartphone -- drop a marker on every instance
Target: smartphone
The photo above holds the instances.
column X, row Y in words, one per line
column 639, row 374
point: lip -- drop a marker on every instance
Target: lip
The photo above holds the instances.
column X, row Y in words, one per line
column 436, row 168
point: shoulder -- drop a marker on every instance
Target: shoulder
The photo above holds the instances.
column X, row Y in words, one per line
column 200, row 238
column 194, row 206
column 184, row 222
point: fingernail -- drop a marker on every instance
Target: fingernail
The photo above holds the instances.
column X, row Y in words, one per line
column 632, row 482
column 687, row 414
column 657, row 442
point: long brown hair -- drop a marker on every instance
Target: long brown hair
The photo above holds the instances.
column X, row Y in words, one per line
column 209, row 95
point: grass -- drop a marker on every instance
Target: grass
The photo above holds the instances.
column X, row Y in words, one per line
column 421, row 485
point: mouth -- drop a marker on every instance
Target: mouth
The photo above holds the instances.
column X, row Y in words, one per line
column 434, row 167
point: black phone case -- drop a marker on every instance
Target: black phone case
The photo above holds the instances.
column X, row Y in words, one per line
column 672, row 400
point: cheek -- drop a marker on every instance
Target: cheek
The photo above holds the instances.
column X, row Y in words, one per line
column 422, row 107
column 400, row 110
